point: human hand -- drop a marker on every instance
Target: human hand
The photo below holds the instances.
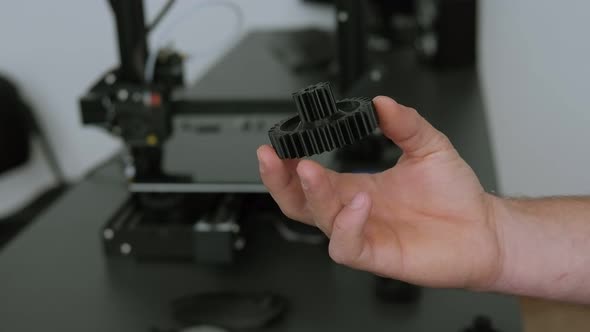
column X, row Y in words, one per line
column 427, row 220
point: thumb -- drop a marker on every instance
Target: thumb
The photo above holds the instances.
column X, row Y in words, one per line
column 408, row 129
column 347, row 241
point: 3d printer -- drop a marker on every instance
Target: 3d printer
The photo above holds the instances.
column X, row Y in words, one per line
column 190, row 157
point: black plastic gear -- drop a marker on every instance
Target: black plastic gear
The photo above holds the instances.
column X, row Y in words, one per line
column 322, row 124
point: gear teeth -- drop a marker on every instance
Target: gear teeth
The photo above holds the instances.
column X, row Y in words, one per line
column 315, row 102
column 322, row 124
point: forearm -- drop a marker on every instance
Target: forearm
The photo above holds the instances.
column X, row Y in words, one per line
column 546, row 247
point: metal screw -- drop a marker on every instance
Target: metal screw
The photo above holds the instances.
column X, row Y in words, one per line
column 108, row 234
column 110, row 79
column 123, row 94
column 342, row 17
column 428, row 44
column 125, row 249
column 129, row 171
column 376, row 75
column 240, row 243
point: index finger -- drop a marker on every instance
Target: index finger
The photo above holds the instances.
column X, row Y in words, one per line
column 283, row 183
column 322, row 200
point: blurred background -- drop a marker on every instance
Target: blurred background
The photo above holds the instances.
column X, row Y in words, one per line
column 61, row 48
column 531, row 67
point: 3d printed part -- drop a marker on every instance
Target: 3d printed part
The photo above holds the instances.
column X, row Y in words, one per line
column 322, row 124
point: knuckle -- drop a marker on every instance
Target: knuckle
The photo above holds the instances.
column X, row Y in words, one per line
column 442, row 138
column 336, row 254
column 291, row 213
column 442, row 141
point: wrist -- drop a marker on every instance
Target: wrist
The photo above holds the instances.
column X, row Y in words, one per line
column 503, row 224
column 521, row 243
column 497, row 221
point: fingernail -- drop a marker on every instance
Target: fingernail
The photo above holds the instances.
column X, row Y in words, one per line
column 304, row 183
column 358, row 201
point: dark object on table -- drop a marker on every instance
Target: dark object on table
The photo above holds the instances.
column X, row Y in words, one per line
column 481, row 324
column 18, row 126
column 322, row 123
column 14, row 127
column 231, row 310
column 391, row 290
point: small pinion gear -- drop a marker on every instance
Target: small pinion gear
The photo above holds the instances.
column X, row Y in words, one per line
column 322, row 124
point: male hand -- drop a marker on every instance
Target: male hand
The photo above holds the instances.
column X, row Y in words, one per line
column 427, row 220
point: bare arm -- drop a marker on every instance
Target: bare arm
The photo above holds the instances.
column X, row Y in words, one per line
column 546, row 247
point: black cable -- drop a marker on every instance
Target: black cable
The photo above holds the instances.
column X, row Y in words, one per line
column 165, row 9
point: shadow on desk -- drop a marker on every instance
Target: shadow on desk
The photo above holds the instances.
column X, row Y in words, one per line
column 12, row 225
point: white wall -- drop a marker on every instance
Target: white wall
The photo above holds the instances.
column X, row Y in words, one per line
column 56, row 49
column 535, row 65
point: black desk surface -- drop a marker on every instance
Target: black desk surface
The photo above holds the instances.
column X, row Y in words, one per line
column 55, row 277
